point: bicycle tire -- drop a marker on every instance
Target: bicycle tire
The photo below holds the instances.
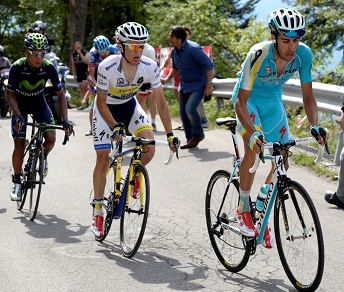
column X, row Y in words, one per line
column 228, row 245
column 302, row 258
column 134, row 215
column 36, row 181
column 24, row 185
column 108, row 201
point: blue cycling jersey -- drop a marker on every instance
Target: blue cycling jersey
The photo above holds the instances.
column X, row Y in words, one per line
column 259, row 75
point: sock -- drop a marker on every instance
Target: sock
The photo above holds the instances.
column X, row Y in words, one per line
column 45, row 156
column 17, row 179
column 153, row 121
column 244, row 203
column 98, row 207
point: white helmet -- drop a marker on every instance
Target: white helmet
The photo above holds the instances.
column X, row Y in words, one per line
column 288, row 22
column 131, row 31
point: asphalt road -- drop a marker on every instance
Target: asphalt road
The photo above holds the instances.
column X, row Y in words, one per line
column 57, row 252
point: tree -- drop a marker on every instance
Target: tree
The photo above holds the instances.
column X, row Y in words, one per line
column 229, row 28
column 325, row 29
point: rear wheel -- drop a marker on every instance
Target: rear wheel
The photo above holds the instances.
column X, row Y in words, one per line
column 223, row 229
column 35, row 182
column 108, row 202
column 25, row 183
column 135, row 214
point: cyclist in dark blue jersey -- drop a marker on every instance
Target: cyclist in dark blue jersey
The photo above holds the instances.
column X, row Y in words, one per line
column 25, row 95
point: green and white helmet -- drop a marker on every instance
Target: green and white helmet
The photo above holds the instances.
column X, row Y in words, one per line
column 36, row 41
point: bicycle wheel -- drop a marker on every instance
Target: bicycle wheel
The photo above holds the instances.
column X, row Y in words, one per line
column 108, row 202
column 24, row 184
column 302, row 250
column 225, row 237
column 134, row 215
column 36, row 181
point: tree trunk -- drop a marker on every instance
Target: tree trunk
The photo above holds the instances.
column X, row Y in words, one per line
column 94, row 14
column 77, row 15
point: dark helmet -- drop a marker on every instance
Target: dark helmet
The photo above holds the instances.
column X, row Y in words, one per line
column 36, row 41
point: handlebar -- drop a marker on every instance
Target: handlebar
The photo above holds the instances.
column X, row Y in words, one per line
column 286, row 146
column 48, row 126
column 141, row 140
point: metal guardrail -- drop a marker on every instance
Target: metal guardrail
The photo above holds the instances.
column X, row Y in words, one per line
column 329, row 97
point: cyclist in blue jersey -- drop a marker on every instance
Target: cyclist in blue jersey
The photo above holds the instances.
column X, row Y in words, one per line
column 257, row 98
column 25, row 95
column 100, row 51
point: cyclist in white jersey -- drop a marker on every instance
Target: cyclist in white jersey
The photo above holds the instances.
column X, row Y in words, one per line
column 119, row 79
column 257, row 99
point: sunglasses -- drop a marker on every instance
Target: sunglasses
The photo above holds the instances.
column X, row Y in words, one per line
column 293, row 33
column 134, row 47
column 37, row 54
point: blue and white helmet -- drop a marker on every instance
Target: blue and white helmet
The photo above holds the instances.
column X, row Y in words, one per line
column 101, row 43
column 287, row 22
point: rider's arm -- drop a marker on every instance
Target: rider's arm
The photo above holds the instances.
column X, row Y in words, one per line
column 91, row 71
column 12, row 102
column 242, row 112
column 310, row 103
column 62, row 104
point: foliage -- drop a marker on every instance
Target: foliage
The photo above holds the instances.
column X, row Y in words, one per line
column 225, row 26
column 325, row 27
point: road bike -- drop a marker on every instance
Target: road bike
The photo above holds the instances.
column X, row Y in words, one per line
column 119, row 201
column 298, row 232
column 32, row 173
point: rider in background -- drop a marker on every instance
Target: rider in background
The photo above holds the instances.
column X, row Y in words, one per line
column 39, row 27
column 257, row 99
column 4, row 61
column 25, row 95
column 101, row 50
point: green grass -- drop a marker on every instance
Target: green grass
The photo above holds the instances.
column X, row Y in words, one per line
column 308, row 161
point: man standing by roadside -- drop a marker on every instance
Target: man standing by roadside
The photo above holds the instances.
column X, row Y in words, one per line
column 196, row 74
column 80, row 67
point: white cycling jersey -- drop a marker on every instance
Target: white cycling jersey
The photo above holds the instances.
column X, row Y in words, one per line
column 112, row 82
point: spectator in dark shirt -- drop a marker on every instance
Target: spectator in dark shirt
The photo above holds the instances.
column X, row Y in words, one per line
column 196, row 73
column 80, row 67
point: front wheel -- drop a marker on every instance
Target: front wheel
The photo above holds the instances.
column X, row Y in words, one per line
column 220, row 209
column 36, row 181
column 135, row 213
column 299, row 237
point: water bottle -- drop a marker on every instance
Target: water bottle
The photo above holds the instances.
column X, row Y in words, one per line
column 264, row 189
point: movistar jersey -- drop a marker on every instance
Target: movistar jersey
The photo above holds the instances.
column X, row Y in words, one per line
column 112, row 81
column 28, row 83
column 259, row 73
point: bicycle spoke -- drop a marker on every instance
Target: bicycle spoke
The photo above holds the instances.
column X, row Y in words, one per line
column 134, row 215
column 299, row 238
column 223, row 229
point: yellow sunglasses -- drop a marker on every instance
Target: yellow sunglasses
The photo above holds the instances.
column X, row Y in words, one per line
column 135, row 47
